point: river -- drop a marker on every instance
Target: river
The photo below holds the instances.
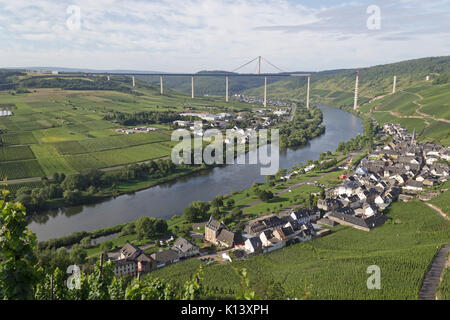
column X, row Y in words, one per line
column 168, row 199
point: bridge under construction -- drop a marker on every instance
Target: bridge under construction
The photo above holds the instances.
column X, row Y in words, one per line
column 226, row 76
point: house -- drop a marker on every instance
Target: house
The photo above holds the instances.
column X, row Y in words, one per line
column 328, row 204
column 131, row 261
column 165, row 258
column 401, row 178
column 327, row 222
column 229, row 239
column 301, row 216
column 439, row 170
column 269, row 242
column 414, row 185
column 125, row 267
column 253, row 245
column 303, row 235
column 185, row 248
column 217, row 233
column 145, row 263
column 361, row 223
column 430, row 182
column 348, row 188
column 212, row 230
column 361, row 171
column 283, row 233
column 256, row 226
column 370, row 209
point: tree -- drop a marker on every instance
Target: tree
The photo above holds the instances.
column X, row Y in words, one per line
column 56, row 177
column 86, row 242
column 78, row 255
column 197, row 211
column 217, row 202
column 72, row 197
column 264, row 195
column 145, row 227
column 106, row 246
column 161, row 227
column 230, row 203
column 130, row 228
column 73, row 182
column 17, row 244
column 237, row 212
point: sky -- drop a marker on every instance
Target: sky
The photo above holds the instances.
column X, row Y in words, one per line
column 194, row 35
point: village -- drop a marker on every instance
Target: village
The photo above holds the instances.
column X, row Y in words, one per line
column 400, row 170
column 262, row 118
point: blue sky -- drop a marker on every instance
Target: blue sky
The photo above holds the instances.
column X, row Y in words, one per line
column 193, row 35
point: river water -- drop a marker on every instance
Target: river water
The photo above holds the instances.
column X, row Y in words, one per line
column 166, row 200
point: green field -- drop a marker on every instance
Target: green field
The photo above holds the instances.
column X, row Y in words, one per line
column 16, row 153
column 399, row 107
column 20, row 169
column 55, row 130
column 335, row 266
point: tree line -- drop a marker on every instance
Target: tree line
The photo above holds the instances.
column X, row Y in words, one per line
column 144, row 117
column 82, row 187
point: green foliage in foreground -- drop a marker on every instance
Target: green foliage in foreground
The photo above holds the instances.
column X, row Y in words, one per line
column 17, row 260
column 334, row 267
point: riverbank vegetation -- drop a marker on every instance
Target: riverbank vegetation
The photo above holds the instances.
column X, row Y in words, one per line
column 305, row 125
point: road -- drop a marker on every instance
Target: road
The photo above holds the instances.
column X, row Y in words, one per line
column 432, row 278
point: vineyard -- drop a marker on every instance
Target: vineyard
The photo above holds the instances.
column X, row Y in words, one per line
column 335, row 266
column 64, row 131
column 20, row 169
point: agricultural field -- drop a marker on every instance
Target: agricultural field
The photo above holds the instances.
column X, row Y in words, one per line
column 20, row 169
column 56, row 130
column 334, row 267
column 423, row 107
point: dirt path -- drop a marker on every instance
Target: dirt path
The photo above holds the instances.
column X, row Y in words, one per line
column 425, row 115
column 421, row 115
column 438, row 210
column 432, row 278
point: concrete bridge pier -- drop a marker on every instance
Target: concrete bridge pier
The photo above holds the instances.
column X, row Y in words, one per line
column 265, row 92
column 134, row 82
column 355, row 103
column 393, row 86
column 192, row 87
column 226, row 89
column 307, row 92
column 161, row 84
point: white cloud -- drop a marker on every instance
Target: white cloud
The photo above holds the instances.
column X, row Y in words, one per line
column 192, row 35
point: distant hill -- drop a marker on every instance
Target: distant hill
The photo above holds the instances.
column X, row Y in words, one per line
column 337, row 86
column 61, row 69
column 210, row 85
